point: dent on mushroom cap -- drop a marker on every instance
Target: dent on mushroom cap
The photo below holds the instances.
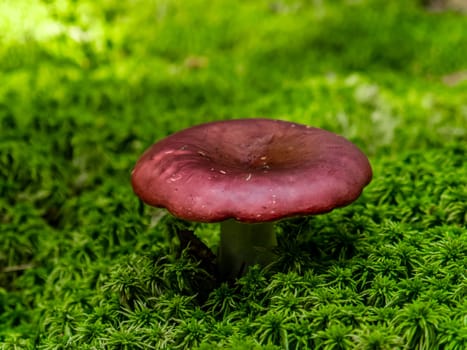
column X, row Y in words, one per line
column 248, row 148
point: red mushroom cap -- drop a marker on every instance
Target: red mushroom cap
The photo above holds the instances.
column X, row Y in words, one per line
column 252, row 170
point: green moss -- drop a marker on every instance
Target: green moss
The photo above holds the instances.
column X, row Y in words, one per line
column 87, row 86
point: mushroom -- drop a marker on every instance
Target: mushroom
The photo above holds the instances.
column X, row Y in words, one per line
column 246, row 174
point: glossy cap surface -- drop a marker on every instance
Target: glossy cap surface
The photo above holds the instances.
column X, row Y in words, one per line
column 252, row 170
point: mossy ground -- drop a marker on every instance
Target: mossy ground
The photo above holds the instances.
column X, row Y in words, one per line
column 86, row 86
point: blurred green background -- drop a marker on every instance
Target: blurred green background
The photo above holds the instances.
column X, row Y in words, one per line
column 86, row 86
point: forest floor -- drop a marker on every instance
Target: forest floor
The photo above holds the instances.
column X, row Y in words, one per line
column 87, row 86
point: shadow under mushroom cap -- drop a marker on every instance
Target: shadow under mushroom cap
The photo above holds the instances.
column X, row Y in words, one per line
column 252, row 170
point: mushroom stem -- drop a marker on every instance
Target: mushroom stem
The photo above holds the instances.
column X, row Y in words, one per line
column 243, row 245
